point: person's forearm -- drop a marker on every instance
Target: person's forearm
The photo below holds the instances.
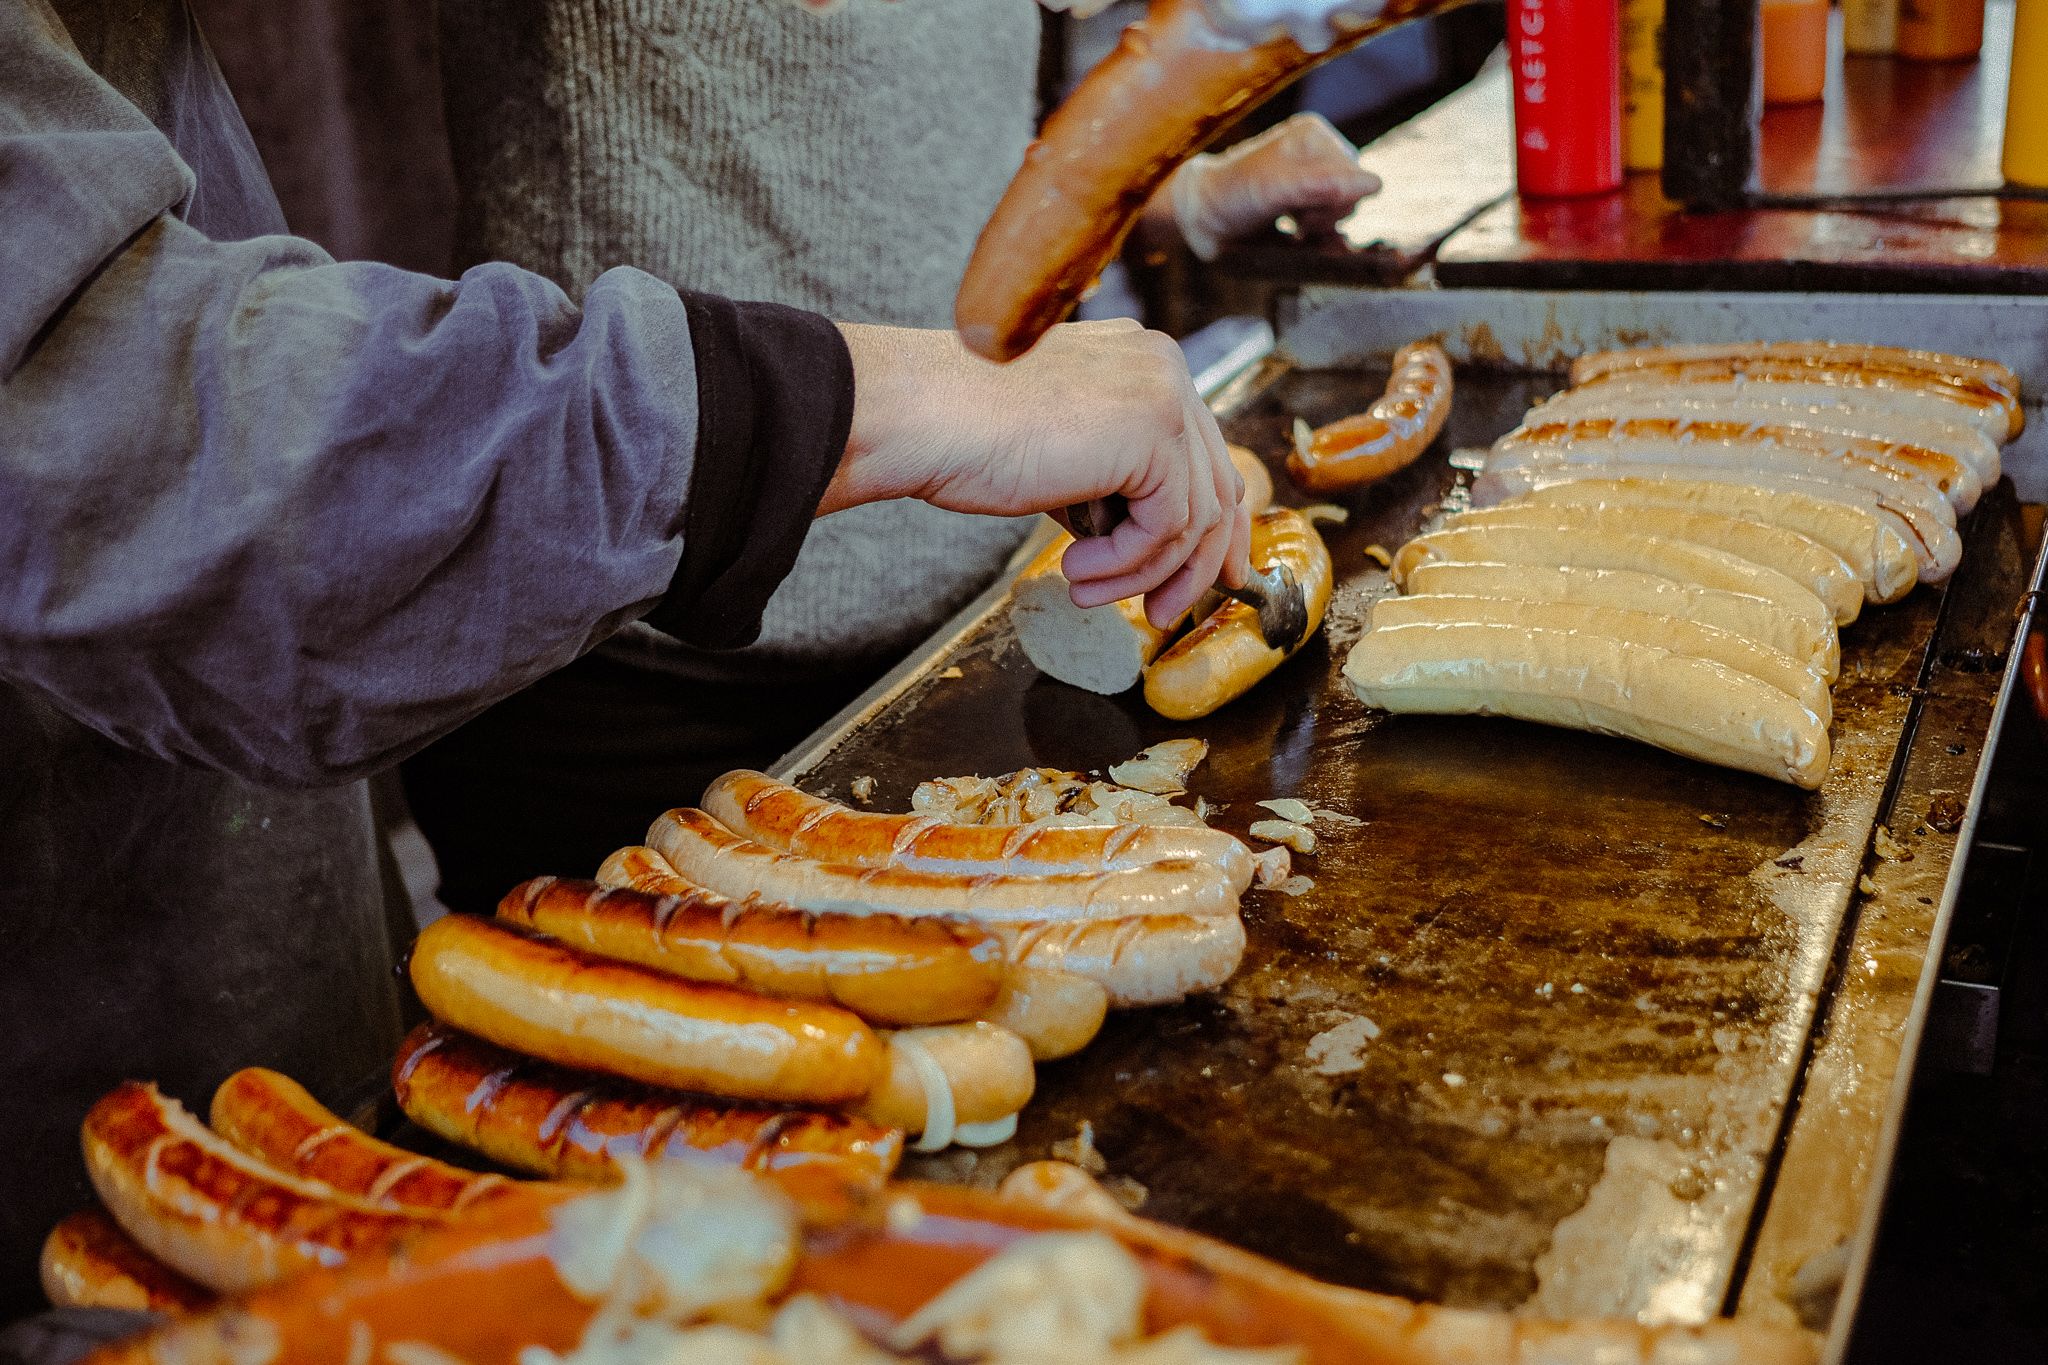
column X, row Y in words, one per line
column 292, row 519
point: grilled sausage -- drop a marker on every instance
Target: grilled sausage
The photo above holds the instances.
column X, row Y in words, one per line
column 213, row 1214
column 757, row 807
column 1695, row 707
column 1984, row 382
column 1951, row 478
column 1876, row 386
column 552, row 1002
column 1623, row 398
column 511, row 1276
column 1806, row 562
column 88, row 1262
column 272, row 1118
column 1816, row 644
column 705, row 852
column 1387, row 436
column 1602, row 548
column 1226, row 655
column 1871, row 545
column 888, row 969
column 575, row 1125
column 1923, row 521
column 1101, row 155
column 1678, row 635
column 1056, row 1013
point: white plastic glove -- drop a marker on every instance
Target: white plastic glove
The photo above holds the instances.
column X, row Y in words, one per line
column 1303, row 167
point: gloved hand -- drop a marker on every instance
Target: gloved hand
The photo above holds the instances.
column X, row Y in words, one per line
column 1302, row 166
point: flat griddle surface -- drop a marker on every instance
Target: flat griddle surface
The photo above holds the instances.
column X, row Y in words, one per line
column 1590, row 968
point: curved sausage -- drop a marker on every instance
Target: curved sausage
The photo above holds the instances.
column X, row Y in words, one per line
column 888, row 969
column 950, row 1076
column 1870, row 544
column 637, row 867
column 1816, row 644
column 1139, row 959
column 1677, row 634
column 1168, row 89
column 552, row 1002
column 213, row 1214
column 1602, row 548
column 575, row 1125
column 1806, row 562
column 1055, row 1013
column 773, row 813
column 1226, row 654
column 88, row 1262
column 1976, row 383
column 1387, row 436
column 705, row 852
column 1947, row 475
column 272, row 1118
column 1693, row 707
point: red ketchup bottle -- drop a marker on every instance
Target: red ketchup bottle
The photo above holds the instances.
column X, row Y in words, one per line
column 1564, row 57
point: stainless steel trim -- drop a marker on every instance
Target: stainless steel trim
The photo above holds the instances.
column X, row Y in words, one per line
column 1863, row 1246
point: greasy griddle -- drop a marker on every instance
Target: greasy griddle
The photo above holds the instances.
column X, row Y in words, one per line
column 1591, row 968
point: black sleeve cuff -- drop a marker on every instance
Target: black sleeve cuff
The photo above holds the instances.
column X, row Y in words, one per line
column 774, row 404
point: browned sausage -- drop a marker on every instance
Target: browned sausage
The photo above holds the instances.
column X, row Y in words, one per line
column 1387, row 436
column 574, row 1125
column 758, row 807
column 88, row 1262
column 549, row 1001
column 886, row 968
column 212, row 1213
column 272, row 1118
column 1226, row 653
column 1166, row 91
column 883, row 1261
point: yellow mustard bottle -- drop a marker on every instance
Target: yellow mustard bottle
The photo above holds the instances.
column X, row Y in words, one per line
column 1870, row 27
column 2026, row 99
column 1642, row 85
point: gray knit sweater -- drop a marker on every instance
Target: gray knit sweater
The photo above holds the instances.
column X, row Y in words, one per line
column 841, row 162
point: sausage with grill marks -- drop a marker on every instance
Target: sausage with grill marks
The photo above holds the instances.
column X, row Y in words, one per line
column 782, row 817
column 705, row 852
column 576, row 1125
column 210, row 1211
column 273, row 1118
column 88, row 1262
column 888, row 969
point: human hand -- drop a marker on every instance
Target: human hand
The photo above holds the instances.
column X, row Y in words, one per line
column 1302, row 166
column 1095, row 409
